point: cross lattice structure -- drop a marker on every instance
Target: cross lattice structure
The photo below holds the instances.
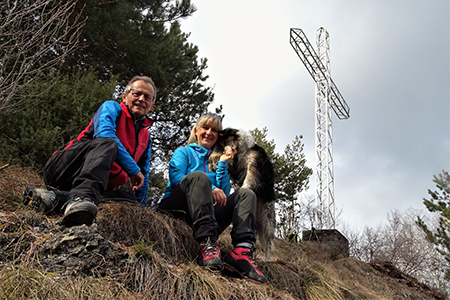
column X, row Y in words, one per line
column 328, row 99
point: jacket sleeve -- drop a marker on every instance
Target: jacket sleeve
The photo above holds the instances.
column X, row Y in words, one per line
column 222, row 178
column 178, row 166
column 144, row 164
column 105, row 126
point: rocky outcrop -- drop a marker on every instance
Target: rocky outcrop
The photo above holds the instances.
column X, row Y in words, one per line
column 81, row 250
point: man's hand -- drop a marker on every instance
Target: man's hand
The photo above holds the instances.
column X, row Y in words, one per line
column 219, row 197
column 137, row 181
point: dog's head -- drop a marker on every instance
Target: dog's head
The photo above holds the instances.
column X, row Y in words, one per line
column 239, row 139
column 229, row 137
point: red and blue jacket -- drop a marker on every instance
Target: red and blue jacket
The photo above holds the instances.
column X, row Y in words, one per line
column 133, row 139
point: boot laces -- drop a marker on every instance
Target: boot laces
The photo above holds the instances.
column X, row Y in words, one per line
column 210, row 247
column 249, row 253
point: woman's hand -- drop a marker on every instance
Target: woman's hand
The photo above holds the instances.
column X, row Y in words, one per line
column 228, row 154
column 219, row 197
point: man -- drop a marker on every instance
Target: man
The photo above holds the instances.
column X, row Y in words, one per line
column 113, row 149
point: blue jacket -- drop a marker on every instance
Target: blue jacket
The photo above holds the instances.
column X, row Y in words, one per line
column 195, row 158
column 133, row 139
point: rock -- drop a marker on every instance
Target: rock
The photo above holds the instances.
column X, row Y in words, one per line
column 81, row 250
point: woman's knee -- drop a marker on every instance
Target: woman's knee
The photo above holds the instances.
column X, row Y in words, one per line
column 248, row 194
column 199, row 179
column 198, row 175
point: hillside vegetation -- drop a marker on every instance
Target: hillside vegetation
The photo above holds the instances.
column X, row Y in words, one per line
column 136, row 253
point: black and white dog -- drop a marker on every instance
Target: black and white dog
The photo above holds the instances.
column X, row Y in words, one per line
column 251, row 168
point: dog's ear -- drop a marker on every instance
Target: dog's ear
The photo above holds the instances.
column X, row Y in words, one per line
column 221, row 138
column 225, row 131
column 224, row 134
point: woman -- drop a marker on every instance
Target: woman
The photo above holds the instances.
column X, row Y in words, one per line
column 199, row 193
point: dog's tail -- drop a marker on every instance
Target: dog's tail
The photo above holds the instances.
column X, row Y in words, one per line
column 265, row 225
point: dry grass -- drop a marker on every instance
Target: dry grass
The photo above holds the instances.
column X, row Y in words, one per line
column 13, row 181
column 163, row 261
column 126, row 223
column 20, row 282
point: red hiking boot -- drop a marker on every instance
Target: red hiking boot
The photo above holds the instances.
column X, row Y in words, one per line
column 239, row 263
column 211, row 254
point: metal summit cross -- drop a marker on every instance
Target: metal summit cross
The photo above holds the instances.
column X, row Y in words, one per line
column 327, row 97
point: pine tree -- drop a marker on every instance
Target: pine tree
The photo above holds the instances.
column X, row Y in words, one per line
column 119, row 40
column 49, row 120
column 291, row 178
column 439, row 203
column 127, row 38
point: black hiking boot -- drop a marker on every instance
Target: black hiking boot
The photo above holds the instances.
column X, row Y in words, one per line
column 39, row 200
column 79, row 210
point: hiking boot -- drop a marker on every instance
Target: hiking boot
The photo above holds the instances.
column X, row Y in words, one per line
column 79, row 210
column 211, row 254
column 239, row 263
column 39, row 200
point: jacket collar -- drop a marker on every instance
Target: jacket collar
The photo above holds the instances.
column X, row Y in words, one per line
column 199, row 148
column 145, row 120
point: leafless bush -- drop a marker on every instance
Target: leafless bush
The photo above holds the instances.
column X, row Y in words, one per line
column 299, row 215
column 402, row 243
column 35, row 36
column 294, row 216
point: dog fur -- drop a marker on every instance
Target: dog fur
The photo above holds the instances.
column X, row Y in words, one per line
column 251, row 168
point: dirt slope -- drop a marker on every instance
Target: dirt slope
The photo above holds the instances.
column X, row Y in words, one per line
column 136, row 253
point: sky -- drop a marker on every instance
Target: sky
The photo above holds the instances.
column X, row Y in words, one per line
column 390, row 61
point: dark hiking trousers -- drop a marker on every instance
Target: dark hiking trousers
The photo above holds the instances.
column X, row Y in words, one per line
column 192, row 201
column 81, row 170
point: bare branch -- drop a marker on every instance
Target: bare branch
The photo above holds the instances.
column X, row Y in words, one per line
column 35, row 37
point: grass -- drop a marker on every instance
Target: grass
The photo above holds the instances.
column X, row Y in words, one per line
column 162, row 260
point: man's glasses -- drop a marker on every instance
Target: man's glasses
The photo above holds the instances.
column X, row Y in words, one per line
column 138, row 94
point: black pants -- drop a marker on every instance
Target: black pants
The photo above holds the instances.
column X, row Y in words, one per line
column 81, row 170
column 191, row 200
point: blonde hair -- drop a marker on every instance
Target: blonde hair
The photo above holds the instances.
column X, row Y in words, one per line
column 214, row 121
column 208, row 119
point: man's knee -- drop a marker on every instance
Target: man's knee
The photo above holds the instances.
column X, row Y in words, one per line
column 109, row 144
column 109, row 141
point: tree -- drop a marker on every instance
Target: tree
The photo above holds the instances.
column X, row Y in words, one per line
column 119, row 40
column 157, row 186
column 291, row 178
column 295, row 216
column 371, row 241
column 35, row 38
column 439, row 203
column 128, row 38
column 49, row 120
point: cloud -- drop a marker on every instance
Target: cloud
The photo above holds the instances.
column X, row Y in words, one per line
column 389, row 59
